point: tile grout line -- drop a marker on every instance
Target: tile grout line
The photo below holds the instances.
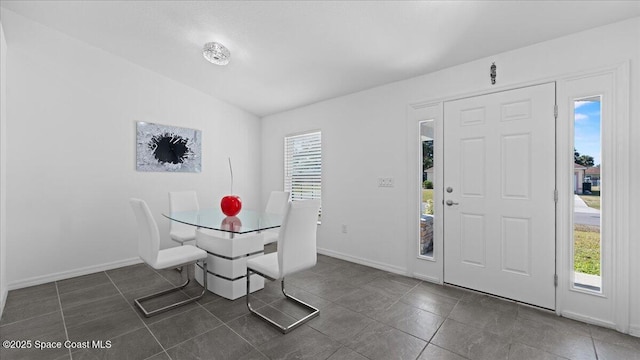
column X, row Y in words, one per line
column 154, row 355
column 222, row 323
column 374, row 321
column 439, row 327
column 354, row 335
column 595, row 351
column 511, row 341
column 419, row 309
column 30, row 318
column 232, row 330
column 64, row 323
column 195, row 336
column 247, row 341
column 388, row 307
column 265, row 305
column 519, row 313
column 422, row 351
column 338, row 349
column 403, row 295
column 402, row 331
column 242, row 315
column 137, row 314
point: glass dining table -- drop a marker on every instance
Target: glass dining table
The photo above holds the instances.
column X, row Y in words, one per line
column 247, row 221
column 229, row 241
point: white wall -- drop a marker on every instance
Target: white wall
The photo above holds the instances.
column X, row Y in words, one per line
column 72, row 110
column 364, row 137
column 3, row 167
column 634, row 174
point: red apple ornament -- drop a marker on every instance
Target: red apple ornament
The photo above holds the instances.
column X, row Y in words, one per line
column 231, row 204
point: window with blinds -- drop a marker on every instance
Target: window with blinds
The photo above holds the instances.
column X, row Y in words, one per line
column 303, row 166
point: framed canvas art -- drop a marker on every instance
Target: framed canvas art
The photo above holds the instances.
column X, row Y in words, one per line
column 167, row 148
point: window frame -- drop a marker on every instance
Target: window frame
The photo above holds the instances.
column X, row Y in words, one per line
column 311, row 155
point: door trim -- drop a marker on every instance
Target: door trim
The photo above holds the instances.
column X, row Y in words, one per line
column 584, row 306
column 623, row 268
column 431, row 270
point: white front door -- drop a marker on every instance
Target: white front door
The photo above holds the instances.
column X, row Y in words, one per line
column 499, row 180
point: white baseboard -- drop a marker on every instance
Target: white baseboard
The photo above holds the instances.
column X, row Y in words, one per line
column 634, row 330
column 3, row 300
column 588, row 319
column 366, row 262
column 37, row 280
column 428, row 278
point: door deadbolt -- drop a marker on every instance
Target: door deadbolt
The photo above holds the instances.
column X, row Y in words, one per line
column 449, row 189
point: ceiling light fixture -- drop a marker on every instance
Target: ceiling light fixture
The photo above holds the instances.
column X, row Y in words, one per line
column 216, row 53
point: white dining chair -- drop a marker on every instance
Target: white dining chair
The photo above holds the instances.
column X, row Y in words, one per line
column 296, row 252
column 149, row 251
column 277, row 204
column 182, row 201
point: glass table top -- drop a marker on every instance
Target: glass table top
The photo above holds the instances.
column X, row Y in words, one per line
column 246, row 221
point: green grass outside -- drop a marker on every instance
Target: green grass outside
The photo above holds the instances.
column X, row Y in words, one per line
column 592, row 201
column 586, row 258
column 427, row 194
column 427, row 197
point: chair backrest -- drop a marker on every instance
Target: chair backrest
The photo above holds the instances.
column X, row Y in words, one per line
column 277, row 203
column 182, row 201
column 297, row 241
column 148, row 235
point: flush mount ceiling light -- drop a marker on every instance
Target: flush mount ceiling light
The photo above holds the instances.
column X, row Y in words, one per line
column 216, row 53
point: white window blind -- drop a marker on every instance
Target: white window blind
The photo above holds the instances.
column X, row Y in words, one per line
column 303, row 166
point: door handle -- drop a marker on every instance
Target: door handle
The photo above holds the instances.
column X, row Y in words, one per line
column 451, row 203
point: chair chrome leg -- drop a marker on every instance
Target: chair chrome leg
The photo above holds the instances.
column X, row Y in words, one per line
column 179, row 268
column 147, row 313
column 314, row 311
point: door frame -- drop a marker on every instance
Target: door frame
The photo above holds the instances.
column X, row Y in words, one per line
column 611, row 308
column 429, row 269
column 432, row 270
column 435, row 272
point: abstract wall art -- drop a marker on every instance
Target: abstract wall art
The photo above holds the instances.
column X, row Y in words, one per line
column 168, row 148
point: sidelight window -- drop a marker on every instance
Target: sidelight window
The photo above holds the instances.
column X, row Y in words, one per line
column 427, row 208
column 587, row 180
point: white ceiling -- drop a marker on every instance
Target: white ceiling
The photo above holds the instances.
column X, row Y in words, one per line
column 286, row 54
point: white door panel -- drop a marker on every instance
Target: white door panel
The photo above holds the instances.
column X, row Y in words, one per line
column 499, row 152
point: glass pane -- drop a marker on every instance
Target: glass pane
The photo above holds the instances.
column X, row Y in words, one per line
column 587, row 189
column 426, row 188
column 245, row 222
column 303, row 166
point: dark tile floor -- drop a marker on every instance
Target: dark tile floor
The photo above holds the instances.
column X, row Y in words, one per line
column 365, row 314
